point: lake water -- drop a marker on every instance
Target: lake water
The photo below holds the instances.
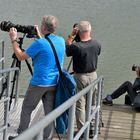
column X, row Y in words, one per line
column 116, row 26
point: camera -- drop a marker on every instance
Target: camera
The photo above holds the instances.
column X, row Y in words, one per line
column 29, row 30
column 134, row 67
column 77, row 37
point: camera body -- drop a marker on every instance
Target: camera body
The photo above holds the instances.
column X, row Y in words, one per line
column 77, row 37
column 134, row 67
column 29, row 30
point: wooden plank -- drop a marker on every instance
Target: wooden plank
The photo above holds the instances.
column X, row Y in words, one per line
column 120, row 123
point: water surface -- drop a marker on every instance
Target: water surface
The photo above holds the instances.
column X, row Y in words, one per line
column 116, row 25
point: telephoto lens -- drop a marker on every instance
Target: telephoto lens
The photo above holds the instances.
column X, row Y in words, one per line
column 29, row 29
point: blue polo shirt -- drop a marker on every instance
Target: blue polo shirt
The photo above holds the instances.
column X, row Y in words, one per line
column 45, row 68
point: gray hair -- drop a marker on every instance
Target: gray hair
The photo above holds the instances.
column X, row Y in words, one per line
column 50, row 22
column 84, row 26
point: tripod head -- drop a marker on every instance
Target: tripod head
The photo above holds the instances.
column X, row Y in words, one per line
column 20, row 41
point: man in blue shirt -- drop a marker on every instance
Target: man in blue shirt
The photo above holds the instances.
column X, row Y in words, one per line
column 45, row 76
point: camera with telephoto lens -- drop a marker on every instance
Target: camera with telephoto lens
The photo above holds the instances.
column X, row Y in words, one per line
column 29, row 29
column 134, row 67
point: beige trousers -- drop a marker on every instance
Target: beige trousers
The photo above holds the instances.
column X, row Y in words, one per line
column 82, row 81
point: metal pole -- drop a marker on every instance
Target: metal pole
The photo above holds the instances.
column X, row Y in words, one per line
column 88, row 112
column 2, row 65
column 39, row 136
column 98, row 105
column 6, row 106
column 71, row 122
column 3, row 54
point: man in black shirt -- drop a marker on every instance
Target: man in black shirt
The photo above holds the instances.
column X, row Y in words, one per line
column 85, row 57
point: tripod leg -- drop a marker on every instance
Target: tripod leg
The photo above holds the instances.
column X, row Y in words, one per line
column 12, row 90
column 14, row 60
column 18, row 64
column 4, row 86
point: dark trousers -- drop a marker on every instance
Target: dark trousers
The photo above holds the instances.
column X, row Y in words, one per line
column 125, row 87
column 33, row 96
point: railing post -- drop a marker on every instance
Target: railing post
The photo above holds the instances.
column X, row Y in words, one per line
column 3, row 54
column 88, row 112
column 71, row 121
column 5, row 100
column 6, row 105
column 2, row 63
column 98, row 111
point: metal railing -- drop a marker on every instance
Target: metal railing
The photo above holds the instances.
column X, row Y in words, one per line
column 35, row 131
column 6, row 98
column 5, row 79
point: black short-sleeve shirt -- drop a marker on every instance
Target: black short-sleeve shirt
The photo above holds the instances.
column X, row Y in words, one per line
column 85, row 55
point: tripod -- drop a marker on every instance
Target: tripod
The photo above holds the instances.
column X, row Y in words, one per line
column 15, row 63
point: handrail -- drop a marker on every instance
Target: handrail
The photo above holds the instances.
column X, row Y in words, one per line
column 6, row 74
column 35, row 130
column 5, row 100
column 9, row 70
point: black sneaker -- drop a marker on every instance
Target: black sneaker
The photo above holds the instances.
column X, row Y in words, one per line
column 12, row 137
column 108, row 100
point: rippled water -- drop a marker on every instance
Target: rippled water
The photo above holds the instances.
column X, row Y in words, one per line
column 116, row 25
